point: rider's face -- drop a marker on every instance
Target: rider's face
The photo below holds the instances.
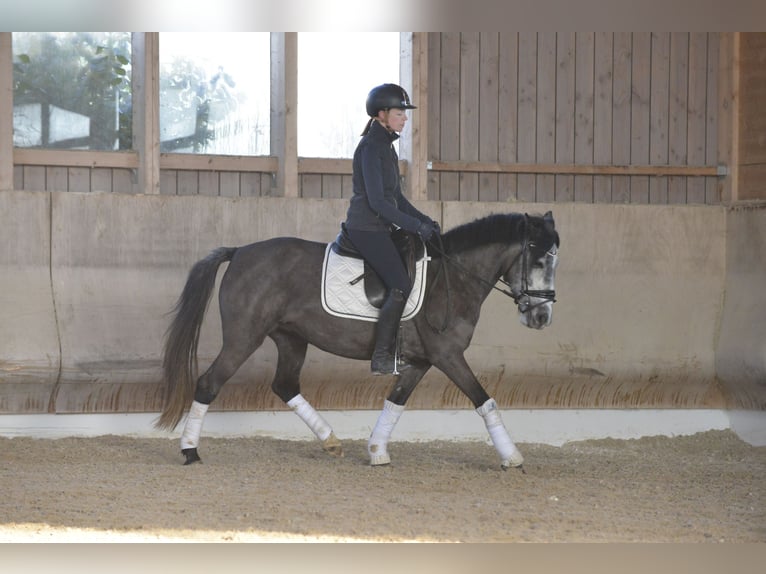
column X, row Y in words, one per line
column 394, row 119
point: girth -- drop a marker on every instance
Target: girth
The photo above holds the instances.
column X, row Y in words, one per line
column 410, row 249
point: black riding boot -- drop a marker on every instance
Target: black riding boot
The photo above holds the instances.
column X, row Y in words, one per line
column 384, row 357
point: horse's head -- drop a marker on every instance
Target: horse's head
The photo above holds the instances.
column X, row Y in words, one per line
column 531, row 275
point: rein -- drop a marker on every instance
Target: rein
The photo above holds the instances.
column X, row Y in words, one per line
column 546, row 295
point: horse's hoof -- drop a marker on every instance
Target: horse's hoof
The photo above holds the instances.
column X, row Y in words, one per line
column 507, row 465
column 380, row 459
column 332, row 445
column 191, row 456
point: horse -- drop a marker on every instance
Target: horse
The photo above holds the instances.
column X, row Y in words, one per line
column 271, row 289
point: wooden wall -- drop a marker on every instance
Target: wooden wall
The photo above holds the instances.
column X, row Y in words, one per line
column 751, row 117
column 562, row 100
column 599, row 117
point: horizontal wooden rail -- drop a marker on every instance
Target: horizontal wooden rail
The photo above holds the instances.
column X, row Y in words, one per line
column 576, row 169
column 76, row 158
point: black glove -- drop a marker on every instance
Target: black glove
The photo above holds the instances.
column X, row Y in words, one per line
column 426, row 230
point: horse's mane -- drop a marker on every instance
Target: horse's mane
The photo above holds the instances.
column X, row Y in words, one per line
column 496, row 228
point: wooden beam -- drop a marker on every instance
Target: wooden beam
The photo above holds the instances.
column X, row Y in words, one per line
column 414, row 141
column 6, row 112
column 76, row 158
column 284, row 110
column 146, row 110
column 262, row 164
column 575, row 169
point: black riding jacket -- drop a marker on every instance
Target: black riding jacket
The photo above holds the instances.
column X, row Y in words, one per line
column 378, row 200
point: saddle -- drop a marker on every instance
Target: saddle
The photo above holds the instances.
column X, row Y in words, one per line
column 410, row 249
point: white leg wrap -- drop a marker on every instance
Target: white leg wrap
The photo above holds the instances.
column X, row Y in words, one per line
column 509, row 454
column 377, row 446
column 193, row 428
column 313, row 419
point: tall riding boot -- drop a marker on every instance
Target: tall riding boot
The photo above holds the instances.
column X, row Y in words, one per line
column 384, row 357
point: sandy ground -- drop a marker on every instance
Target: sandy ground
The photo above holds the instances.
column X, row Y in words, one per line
column 709, row 487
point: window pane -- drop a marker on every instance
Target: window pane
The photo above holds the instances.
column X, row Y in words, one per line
column 72, row 90
column 335, row 73
column 214, row 93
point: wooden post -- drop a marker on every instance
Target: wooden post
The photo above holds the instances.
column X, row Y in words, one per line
column 414, row 142
column 728, row 113
column 284, row 110
column 6, row 112
column 146, row 110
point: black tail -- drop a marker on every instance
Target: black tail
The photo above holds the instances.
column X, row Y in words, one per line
column 179, row 363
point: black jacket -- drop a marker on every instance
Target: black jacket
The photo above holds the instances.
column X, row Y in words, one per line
column 378, row 200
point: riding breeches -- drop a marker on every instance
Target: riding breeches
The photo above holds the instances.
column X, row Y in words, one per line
column 381, row 253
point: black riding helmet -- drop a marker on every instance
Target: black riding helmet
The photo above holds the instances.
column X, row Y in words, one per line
column 387, row 96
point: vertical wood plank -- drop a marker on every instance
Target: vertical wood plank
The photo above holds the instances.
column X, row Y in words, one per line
column 545, row 152
column 332, row 186
column 584, row 79
column 79, row 179
column 168, row 182
column 697, row 113
column 508, row 112
column 565, row 112
column 469, row 112
column 678, row 110
column 123, row 180
column 208, row 183
column 311, row 185
column 639, row 114
column 621, row 94
column 712, row 185
column 347, row 186
column 488, row 112
column 56, row 179
column 188, row 183
column 434, row 114
column 101, row 179
column 229, row 183
column 18, row 177
column 449, row 136
column 602, row 113
column 34, row 178
column 527, row 120
column 660, row 92
column 250, row 184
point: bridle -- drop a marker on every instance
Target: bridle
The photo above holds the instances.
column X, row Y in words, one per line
column 545, row 295
column 521, row 298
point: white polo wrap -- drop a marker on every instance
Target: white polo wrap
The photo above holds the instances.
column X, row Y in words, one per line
column 193, row 428
column 377, row 446
column 509, row 454
column 313, row 419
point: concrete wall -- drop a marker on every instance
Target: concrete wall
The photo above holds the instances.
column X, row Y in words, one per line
column 654, row 304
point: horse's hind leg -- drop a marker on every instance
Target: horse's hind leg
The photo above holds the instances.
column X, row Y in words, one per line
column 209, row 385
column 286, row 385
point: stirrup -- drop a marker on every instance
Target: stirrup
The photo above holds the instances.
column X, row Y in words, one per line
column 388, row 366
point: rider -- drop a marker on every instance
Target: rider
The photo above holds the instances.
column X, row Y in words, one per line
column 377, row 207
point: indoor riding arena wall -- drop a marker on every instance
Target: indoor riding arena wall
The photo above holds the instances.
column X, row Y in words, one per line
column 658, row 306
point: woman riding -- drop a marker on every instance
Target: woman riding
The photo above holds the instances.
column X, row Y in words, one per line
column 377, row 207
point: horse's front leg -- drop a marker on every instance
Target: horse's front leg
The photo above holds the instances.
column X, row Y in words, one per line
column 456, row 368
column 377, row 446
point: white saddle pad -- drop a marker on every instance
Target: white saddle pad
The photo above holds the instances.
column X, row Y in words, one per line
column 342, row 299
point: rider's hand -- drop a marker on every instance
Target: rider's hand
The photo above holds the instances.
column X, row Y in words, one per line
column 427, row 229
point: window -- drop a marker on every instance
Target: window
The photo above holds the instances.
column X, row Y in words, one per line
column 335, row 73
column 214, row 93
column 72, row 90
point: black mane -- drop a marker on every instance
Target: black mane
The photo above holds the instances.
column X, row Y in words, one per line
column 497, row 228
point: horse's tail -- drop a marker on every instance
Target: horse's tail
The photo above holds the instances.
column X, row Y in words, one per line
column 179, row 362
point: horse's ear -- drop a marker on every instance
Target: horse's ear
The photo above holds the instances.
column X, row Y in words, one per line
column 548, row 218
